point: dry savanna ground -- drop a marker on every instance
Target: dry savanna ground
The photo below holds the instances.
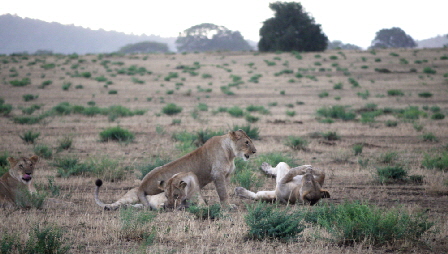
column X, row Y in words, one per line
column 397, row 97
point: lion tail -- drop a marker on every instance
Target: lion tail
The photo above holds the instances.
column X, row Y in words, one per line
column 129, row 198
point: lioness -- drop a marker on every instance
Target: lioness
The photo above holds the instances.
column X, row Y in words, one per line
column 212, row 162
column 177, row 190
column 17, row 180
column 180, row 189
column 300, row 184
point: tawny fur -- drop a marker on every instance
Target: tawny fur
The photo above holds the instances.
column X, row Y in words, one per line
column 17, row 180
column 212, row 162
column 181, row 189
column 297, row 185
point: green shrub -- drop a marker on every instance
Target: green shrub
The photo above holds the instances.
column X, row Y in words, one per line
column 353, row 82
column 43, row 151
column 296, row 143
column 5, row 109
column 336, row 112
column 251, row 119
column 260, row 109
column 391, row 123
column 338, row 86
column 23, row 82
column 86, row 74
column 146, row 168
column 27, row 119
column 29, row 137
column 429, row 70
column 71, row 166
column 323, row 94
column 436, row 161
column 116, row 134
column 29, row 97
column 438, row 116
column 268, row 222
column 171, row 109
column 355, row 222
column 45, row 84
column 382, row 70
column 135, row 224
column 211, row 212
column 290, row 113
column 247, row 177
column 63, row 108
column 202, row 107
column 65, row 143
column 429, row 137
column 395, row 92
column 357, row 149
column 66, row 86
column 235, row 111
column 388, row 157
column 331, row 136
column 425, row 95
column 112, row 92
column 253, row 133
column 46, row 239
column 391, row 174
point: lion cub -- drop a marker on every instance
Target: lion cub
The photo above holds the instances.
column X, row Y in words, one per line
column 177, row 190
column 17, row 180
column 301, row 184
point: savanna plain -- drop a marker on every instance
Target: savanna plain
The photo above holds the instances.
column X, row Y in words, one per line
column 373, row 120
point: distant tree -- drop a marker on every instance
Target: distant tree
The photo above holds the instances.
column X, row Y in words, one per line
column 144, row 47
column 210, row 37
column 291, row 29
column 394, row 37
column 341, row 45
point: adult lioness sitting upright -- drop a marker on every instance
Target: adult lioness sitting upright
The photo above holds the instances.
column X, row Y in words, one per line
column 212, row 162
column 17, row 180
column 301, row 184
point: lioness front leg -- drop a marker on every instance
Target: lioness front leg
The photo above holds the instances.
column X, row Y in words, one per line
column 220, row 185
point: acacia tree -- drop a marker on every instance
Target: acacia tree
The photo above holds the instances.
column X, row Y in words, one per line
column 290, row 29
column 394, row 37
column 210, row 37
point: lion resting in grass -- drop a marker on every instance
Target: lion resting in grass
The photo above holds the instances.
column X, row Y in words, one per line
column 293, row 185
column 212, row 162
column 180, row 189
column 17, row 181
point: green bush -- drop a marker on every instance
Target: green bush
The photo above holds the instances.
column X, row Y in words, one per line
column 29, row 137
column 46, row 239
column 65, row 143
column 438, row 116
column 296, row 143
column 429, row 137
column 251, row 119
column 268, row 222
column 391, row 174
column 29, row 97
column 330, row 136
column 27, row 119
column 23, row 82
column 388, row 157
column 171, row 109
column 436, row 161
column 253, row 133
column 336, row 112
column 355, row 222
column 112, row 92
column 116, row 134
column 211, row 212
column 353, row 82
column 235, row 111
column 391, row 123
column 146, row 168
column 5, row 109
column 425, row 95
column 357, row 149
column 247, row 177
column 43, row 151
column 338, row 86
column 395, row 92
column 429, row 70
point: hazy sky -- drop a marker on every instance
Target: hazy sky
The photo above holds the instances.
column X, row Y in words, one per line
column 350, row 21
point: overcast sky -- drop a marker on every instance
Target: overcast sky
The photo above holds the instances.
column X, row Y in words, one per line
column 350, row 21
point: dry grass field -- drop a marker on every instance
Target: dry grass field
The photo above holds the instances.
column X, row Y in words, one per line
column 392, row 100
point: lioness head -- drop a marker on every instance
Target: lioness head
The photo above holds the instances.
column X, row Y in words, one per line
column 175, row 192
column 312, row 191
column 244, row 147
column 22, row 169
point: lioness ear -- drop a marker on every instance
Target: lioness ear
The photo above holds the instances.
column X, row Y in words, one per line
column 162, row 185
column 324, row 194
column 34, row 159
column 182, row 184
column 236, row 135
column 12, row 161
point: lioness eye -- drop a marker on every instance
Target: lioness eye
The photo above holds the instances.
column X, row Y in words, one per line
column 247, row 142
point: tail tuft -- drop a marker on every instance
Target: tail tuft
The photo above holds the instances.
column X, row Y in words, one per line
column 98, row 182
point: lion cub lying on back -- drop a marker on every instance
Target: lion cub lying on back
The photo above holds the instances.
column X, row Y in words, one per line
column 177, row 191
column 301, row 184
column 17, row 181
